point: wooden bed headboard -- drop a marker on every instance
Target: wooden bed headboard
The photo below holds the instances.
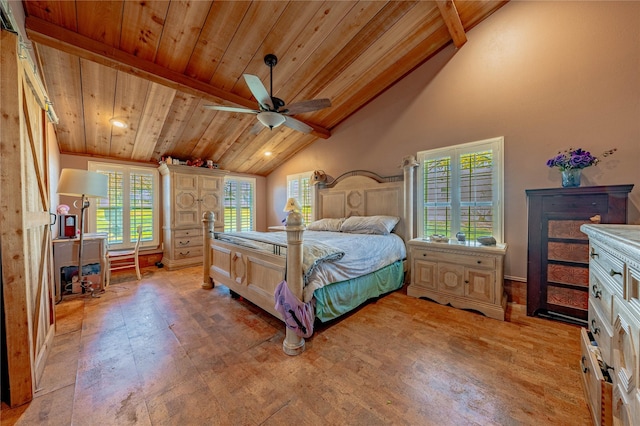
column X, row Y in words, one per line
column 364, row 193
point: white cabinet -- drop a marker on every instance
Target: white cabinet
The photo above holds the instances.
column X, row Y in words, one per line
column 465, row 275
column 614, row 320
column 187, row 193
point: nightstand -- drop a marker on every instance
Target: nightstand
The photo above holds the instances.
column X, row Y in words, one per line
column 466, row 275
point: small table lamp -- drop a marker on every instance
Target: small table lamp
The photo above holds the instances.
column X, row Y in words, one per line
column 84, row 184
column 294, row 217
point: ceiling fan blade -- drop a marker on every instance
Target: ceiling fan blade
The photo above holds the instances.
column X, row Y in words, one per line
column 297, row 125
column 259, row 91
column 308, row 106
column 257, row 128
column 231, row 109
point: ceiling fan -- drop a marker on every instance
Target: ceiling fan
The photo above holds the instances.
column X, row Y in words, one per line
column 273, row 111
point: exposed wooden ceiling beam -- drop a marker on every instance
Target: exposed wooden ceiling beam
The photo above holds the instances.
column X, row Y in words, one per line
column 59, row 38
column 452, row 20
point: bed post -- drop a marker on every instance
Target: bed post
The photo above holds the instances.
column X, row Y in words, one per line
column 208, row 219
column 409, row 165
column 294, row 344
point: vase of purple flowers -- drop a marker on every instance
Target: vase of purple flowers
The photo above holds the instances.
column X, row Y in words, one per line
column 572, row 161
column 571, row 177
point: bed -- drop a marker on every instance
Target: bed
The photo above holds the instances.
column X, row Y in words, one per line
column 348, row 209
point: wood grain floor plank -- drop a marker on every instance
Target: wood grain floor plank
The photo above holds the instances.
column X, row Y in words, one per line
column 164, row 351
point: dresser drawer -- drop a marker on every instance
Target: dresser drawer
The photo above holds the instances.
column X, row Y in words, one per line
column 186, row 233
column 457, row 259
column 597, row 385
column 576, row 203
column 187, row 252
column 602, row 332
column 601, row 296
column 609, row 265
column 183, row 242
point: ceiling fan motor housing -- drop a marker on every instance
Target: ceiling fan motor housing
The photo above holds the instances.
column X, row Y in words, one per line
column 277, row 103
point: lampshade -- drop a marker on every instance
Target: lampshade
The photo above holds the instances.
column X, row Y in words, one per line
column 271, row 119
column 292, row 206
column 76, row 182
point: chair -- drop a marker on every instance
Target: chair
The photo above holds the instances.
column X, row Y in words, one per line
column 124, row 259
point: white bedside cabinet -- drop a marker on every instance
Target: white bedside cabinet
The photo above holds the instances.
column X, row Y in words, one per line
column 466, row 275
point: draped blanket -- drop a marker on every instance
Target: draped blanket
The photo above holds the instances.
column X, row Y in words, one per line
column 328, row 257
column 314, row 252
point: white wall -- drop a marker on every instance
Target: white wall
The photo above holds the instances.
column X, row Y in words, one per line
column 545, row 75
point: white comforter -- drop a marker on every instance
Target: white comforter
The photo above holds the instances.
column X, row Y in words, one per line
column 363, row 254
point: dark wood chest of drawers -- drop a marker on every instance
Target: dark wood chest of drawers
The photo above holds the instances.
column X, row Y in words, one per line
column 558, row 252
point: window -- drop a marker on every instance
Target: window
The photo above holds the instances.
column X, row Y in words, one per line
column 462, row 190
column 132, row 200
column 299, row 187
column 239, row 204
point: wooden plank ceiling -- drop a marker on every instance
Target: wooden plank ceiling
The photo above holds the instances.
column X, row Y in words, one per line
column 156, row 64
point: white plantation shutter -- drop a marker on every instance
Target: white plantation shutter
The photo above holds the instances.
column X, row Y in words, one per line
column 299, row 187
column 476, row 194
column 141, row 198
column 132, row 200
column 462, row 190
column 437, row 196
column 239, row 204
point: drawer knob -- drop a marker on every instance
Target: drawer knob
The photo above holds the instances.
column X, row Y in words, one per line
column 593, row 253
column 424, row 254
column 584, row 367
column 613, row 273
column 596, row 293
column 479, row 262
column 594, row 329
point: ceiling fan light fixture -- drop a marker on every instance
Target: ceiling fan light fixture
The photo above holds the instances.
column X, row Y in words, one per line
column 271, row 119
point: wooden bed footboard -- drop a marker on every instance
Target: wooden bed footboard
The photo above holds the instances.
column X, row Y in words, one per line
column 249, row 273
column 255, row 275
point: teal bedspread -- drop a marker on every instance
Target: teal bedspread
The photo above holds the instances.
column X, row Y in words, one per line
column 339, row 298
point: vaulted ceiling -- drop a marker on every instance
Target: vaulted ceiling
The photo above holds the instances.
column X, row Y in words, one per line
column 157, row 64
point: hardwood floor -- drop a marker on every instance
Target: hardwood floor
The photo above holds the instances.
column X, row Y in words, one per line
column 164, row 351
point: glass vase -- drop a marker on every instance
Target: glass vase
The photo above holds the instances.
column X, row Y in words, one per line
column 571, row 178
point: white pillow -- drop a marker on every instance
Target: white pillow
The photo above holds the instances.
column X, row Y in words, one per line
column 381, row 225
column 326, row 225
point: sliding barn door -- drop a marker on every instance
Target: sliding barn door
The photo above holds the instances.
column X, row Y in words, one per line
column 25, row 234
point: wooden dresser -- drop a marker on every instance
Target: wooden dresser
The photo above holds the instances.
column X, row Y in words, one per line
column 611, row 345
column 465, row 275
column 558, row 261
column 188, row 192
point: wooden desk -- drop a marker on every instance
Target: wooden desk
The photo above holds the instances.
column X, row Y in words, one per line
column 65, row 263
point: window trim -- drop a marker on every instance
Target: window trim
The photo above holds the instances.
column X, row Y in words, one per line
column 252, row 181
column 157, row 191
column 497, row 146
